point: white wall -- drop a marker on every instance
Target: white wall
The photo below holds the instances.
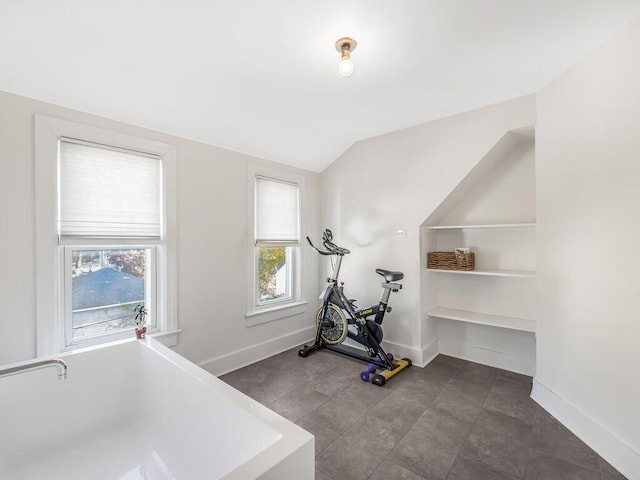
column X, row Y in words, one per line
column 394, row 182
column 588, row 194
column 505, row 194
column 212, row 239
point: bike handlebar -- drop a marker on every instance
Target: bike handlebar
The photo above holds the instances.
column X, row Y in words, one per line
column 317, row 249
column 332, row 248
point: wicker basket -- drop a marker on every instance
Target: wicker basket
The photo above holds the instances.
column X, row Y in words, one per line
column 450, row 261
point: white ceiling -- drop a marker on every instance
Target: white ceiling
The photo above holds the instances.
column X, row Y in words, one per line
column 261, row 77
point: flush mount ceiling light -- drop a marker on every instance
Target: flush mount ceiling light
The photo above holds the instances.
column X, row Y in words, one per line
column 345, row 46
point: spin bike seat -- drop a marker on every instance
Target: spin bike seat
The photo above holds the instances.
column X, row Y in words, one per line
column 390, row 276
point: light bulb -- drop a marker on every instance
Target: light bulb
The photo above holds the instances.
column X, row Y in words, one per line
column 345, row 46
column 346, row 67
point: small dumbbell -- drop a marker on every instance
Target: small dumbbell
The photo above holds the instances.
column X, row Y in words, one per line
column 364, row 375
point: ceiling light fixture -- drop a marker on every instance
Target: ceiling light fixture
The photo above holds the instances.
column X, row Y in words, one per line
column 345, row 46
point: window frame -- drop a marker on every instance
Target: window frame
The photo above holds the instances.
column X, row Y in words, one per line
column 261, row 312
column 50, row 250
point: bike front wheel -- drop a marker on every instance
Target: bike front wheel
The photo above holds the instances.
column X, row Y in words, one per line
column 333, row 328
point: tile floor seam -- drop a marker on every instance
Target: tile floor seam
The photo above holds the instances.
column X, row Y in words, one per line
column 387, row 453
column 377, row 468
column 402, row 437
column 308, row 413
column 323, row 471
column 389, row 458
column 282, row 396
column 414, row 472
column 600, row 468
column 564, row 459
column 495, row 381
column 407, row 432
column 494, row 467
column 416, row 421
column 528, row 447
column 336, row 440
column 459, row 454
column 473, row 424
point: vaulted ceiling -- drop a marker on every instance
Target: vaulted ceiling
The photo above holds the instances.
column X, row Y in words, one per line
column 261, row 77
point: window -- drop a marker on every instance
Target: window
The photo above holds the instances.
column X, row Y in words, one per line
column 107, row 193
column 103, row 289
column 275, row 242
column 105, row 214
column 276, row 236
column 274, row 274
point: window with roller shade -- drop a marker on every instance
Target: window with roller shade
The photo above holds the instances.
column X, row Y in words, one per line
column 105, row 235
column 276, row 240
column 113, row 195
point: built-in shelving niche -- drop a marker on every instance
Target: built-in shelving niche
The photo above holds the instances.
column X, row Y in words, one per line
column 486, row 315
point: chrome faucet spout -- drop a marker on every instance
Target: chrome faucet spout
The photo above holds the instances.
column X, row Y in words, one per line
column 56, row 362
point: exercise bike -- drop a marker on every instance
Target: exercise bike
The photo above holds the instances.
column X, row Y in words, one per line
column 339, row 318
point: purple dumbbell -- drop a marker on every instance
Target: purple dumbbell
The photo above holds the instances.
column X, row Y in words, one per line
column 364, row 375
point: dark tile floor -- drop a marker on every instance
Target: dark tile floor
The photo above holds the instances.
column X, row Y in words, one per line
column 452, row 420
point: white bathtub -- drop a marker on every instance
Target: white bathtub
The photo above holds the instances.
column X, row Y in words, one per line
column 137, row 410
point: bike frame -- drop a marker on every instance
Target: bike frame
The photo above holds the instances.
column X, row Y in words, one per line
column 334, row 294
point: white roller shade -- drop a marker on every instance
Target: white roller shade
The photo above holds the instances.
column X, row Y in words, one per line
column 276, row 212
column 105, row 192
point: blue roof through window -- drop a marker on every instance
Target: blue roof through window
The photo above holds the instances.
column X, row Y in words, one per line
column 106, row 286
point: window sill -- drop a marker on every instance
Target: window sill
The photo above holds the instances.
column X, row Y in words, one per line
column 168, row 338
column 269, row 314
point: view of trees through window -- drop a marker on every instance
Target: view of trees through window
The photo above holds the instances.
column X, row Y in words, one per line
column 106, row 286
column 273, row 274
column 126, row 261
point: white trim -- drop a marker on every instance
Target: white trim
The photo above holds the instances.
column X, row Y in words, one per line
column 429, row 352
column 275, row 312
column 605, row 443
column 48, row 254
column 100, row 340
column 503, row 360
column 168, row 338
column 254, row 353
column 487, row 272
column 488, row 226
column 499, row 321
column 400, row 350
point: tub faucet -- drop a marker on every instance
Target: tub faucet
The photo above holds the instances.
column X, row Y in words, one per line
column 62, row 368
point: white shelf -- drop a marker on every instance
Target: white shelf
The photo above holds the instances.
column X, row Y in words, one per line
column 511, row 323
column 497, row 225
column 490, row 273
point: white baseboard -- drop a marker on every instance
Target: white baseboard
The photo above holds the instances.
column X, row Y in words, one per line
column 254, row 353
column 429, row 352
column 614, row 450
column 420, row 357
column 505, row 361
column 404, row 351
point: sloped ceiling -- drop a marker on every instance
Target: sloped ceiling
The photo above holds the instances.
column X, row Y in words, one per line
column 260, row 77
